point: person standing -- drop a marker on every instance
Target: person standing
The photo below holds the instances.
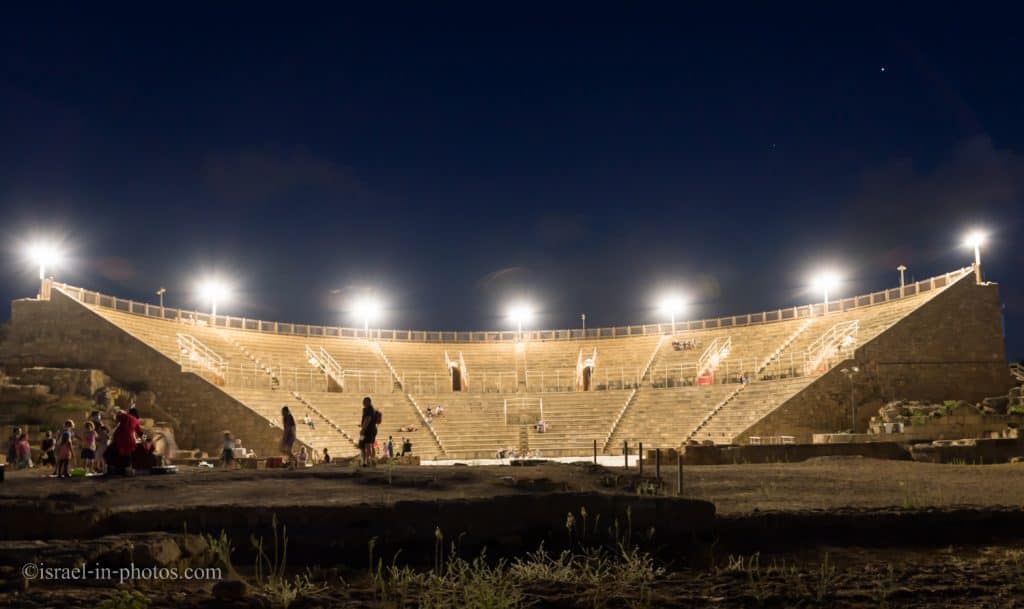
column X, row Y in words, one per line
column 124, row 437
column 368, row 431
column 288, row 438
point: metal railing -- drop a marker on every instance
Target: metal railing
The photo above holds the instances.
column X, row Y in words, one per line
column 293, row 329
column 523, row 410
column 717, row 351
column 840, row 338
column 194, row 356
column 325, row 363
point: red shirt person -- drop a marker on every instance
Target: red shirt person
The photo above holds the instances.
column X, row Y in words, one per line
column 124, row 435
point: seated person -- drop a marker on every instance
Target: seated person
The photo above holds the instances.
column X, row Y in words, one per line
column 439, row 411
column 144, row 456
column 406, row 446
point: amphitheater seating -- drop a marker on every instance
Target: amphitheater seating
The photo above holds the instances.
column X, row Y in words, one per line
column 268, row 403
column 662, row 418
column 346, row 409
column 763, row 396
column 265, row 370
column 422, row 368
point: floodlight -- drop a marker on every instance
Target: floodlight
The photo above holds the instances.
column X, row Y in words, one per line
column 975, row 239
column 215, row 291
column 826, row 281
column 44, row 254
column 520, row 313
column 366, row 308
column 671, row 305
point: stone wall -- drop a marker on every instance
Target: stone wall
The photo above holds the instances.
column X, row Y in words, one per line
column 65, row 381
column 61, row 332
column 951, row 348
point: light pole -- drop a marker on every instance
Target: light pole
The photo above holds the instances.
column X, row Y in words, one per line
column 850, row 372
column 520, row 313
column 161, row 293
column 671, row 305
column 44, row 254
column 901, row 268
column 213, row 290
column 583, row 320
column 365, row 309
column 825, row 282
column 976, row 239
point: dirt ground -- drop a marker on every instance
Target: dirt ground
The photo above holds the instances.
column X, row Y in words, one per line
column 826, row 483
column 818, row 573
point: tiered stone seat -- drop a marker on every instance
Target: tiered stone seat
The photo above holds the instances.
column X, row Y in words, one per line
column 668, row 406
column 473, row 425
column 751, row 345
column 551, row 365
column 873, row 320
column 662, row 418
column 575, row 420
column 421, row 366
column 763, row 396
column 345, row 409
column 755, row 401
column 268, row 403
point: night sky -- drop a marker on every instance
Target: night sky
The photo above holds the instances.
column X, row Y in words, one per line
column 586, row 159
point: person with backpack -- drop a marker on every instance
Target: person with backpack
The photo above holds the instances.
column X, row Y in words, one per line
column 368, row 431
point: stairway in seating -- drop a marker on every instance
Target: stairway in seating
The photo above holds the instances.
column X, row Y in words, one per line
column 764, row 364
column 327, row 420
column 524, row 441
column 274, row 381
column 408, row 397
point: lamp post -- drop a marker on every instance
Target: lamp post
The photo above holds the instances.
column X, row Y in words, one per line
column 520, row 313
column 901, row 268
column 976, row 239
column 825, row 282
column 161, row 293
column 671, row 305
column 850, row 372
column 583, row 320
column 365, row 309
column 44, row 254
column 213, row 290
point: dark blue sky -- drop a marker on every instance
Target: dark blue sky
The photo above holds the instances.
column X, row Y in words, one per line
column 584, row 157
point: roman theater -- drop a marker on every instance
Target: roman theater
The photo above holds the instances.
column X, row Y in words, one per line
column 777, row 376
column 853, row 452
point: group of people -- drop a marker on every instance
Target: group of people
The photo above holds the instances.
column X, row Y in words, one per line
column 684, row 345
column 512, row 453
column 369, row 448
column 100, row 450
column 434, row 412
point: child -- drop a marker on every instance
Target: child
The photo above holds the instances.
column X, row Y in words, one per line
column 89, row 446
column 391, row 448
column 102, row 441
column 227, row 455
column 64, row 451
column 23, row 452
column 46, row 447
